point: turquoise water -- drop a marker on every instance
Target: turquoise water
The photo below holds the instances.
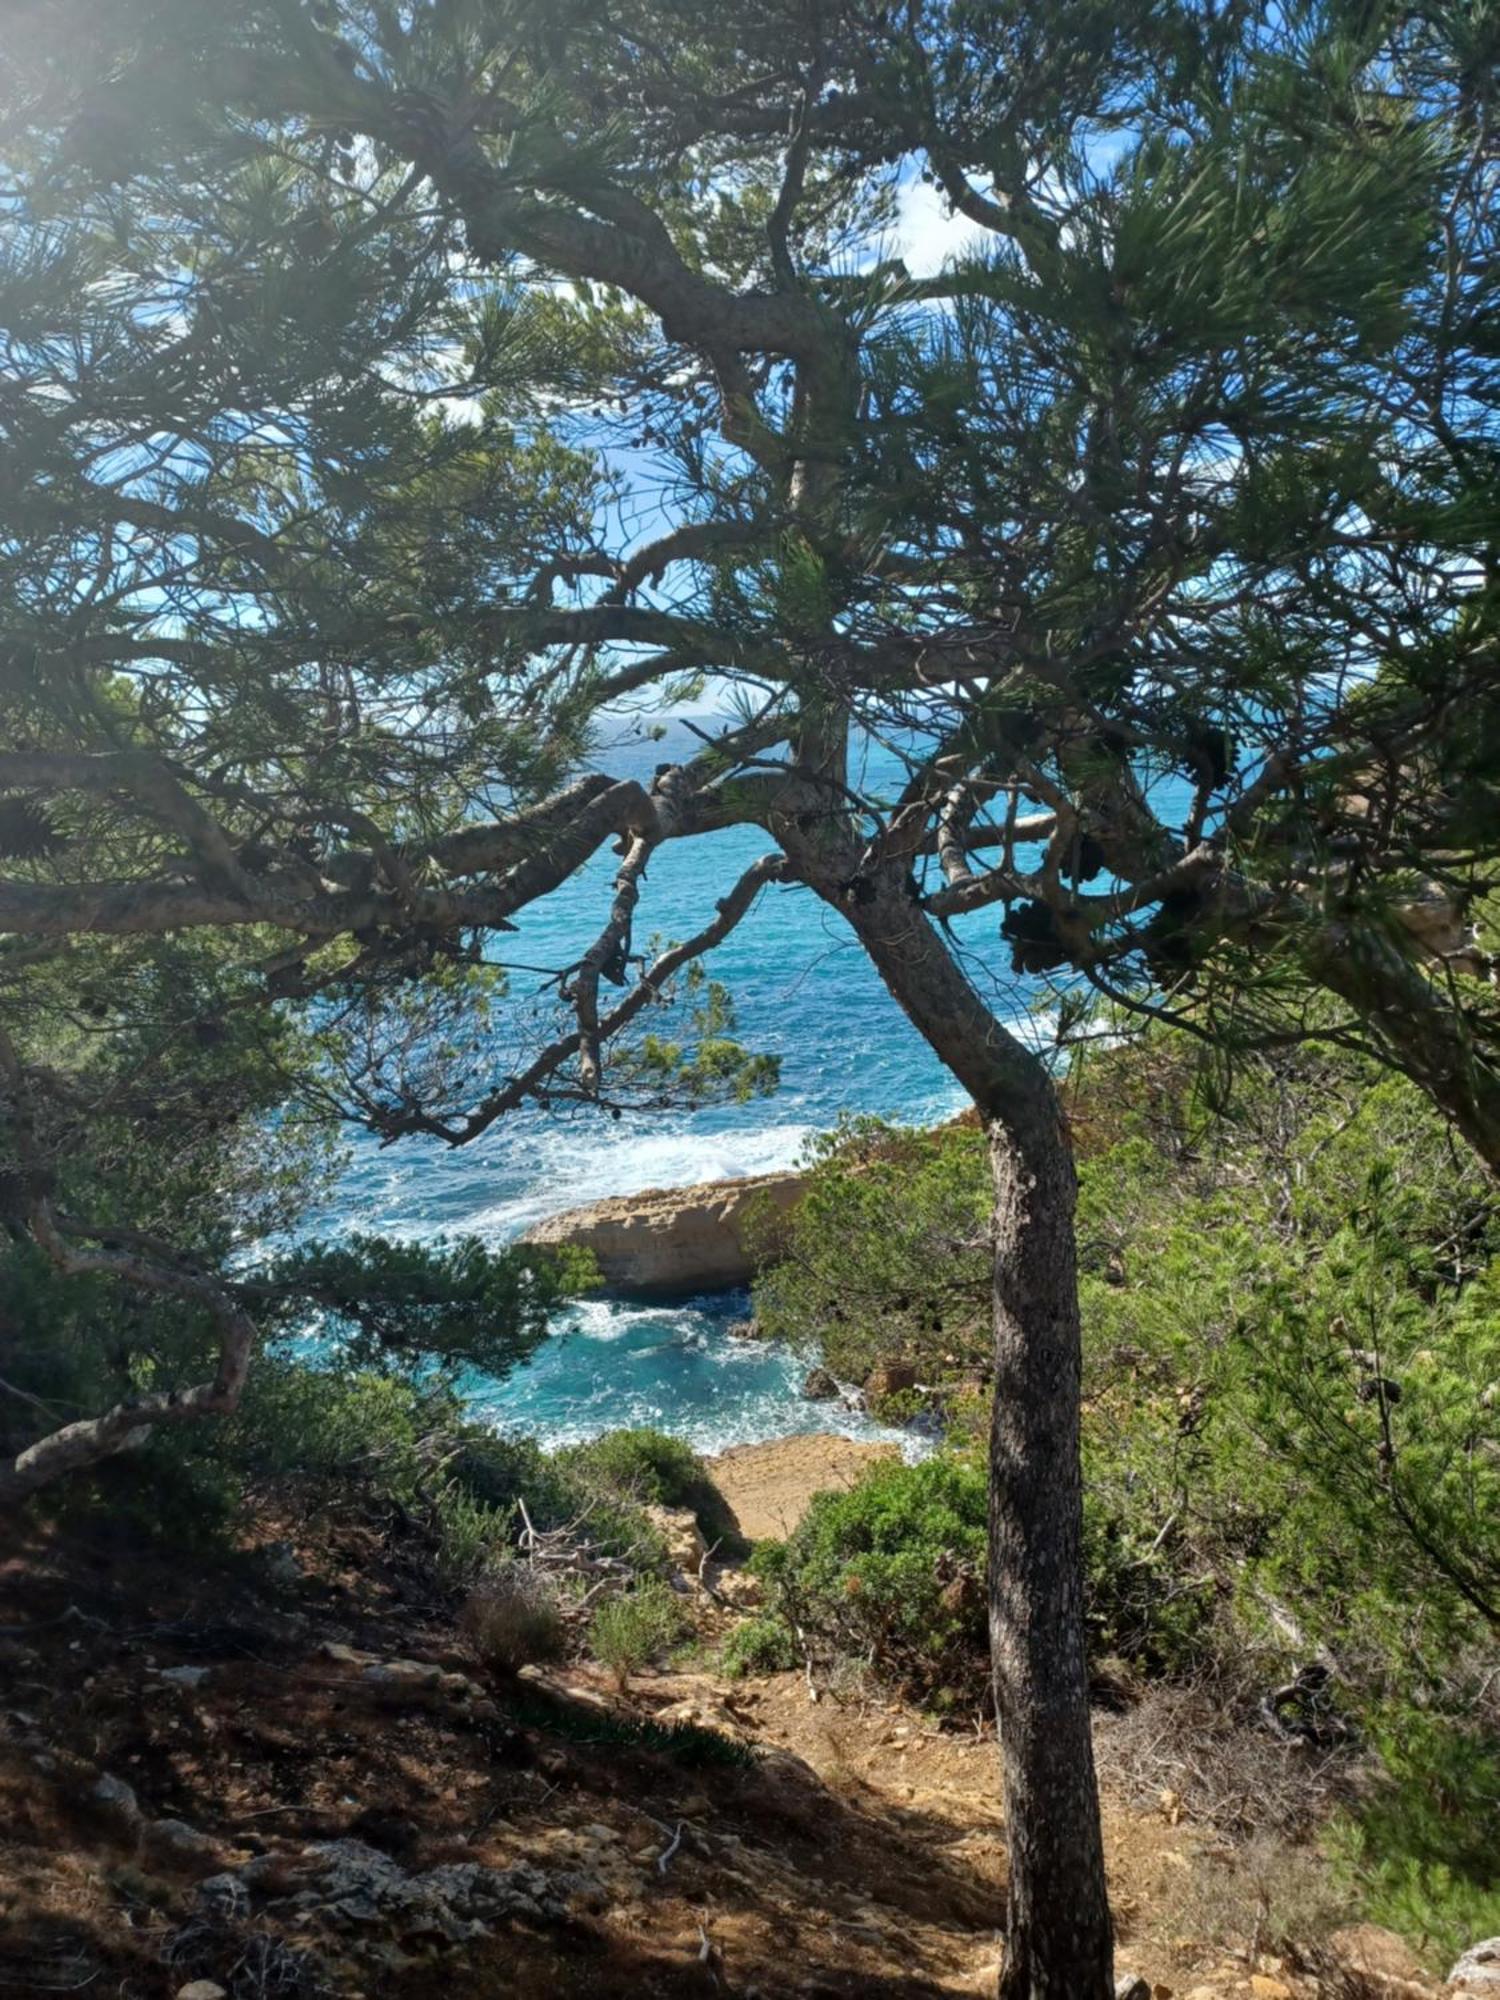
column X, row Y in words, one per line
column 803, row 990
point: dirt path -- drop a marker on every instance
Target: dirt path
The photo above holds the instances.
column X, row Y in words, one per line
column 768, row 1486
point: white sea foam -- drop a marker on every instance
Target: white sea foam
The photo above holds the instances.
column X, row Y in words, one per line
column 571, row 1170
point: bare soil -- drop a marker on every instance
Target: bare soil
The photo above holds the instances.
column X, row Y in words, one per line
column 856, row 1850
column 768, row 1486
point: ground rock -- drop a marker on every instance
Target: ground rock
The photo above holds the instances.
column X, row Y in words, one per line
column 345, row 1656
column 740, row 1590
column 175, row 1840
column 674, row 1241
column 202, row 1989
column 115, row 1797
column 353, row 1887
column 418, row 1680
column 279, row 1564
column 679, row 1530
column 1130, row 1986
column 183, row 1677
column 225, row 1897
column 1478, row 1971
column 399, row 1675
column 819, row 1386
column 1377, row 1955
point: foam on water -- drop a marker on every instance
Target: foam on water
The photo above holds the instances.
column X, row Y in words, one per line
column 677, row 1368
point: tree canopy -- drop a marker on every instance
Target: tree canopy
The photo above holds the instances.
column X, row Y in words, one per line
column 394, row 392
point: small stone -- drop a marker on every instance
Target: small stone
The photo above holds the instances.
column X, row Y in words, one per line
column 202, row 1989
column 176, row 1837
column 226, row 1896
column 278, row 1562
column 184, row 1677
column 1374, row 1952
column 403, row 1674
column 1131, row 1986
column 117, row 1798
column 1264, row 1987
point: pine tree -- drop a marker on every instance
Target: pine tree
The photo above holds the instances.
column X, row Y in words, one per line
column 396, row 388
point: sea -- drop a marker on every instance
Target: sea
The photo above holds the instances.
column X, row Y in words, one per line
column 803, row 990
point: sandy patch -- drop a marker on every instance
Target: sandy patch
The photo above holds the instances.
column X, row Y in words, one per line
column 769, row 1485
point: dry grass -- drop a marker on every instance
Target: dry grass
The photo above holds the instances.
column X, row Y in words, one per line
column 1205, row 1751
column 512, row 1618
column 1261, row 1894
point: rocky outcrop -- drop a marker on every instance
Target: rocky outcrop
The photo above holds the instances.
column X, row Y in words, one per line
column 671, row 1242
column 1478, row 1971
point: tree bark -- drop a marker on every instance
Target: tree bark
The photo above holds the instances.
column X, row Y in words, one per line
column 1059, row 1942
column 1420, row 1024
column 1058, row 1938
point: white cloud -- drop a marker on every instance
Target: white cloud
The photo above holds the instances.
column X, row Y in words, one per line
column 927, row 234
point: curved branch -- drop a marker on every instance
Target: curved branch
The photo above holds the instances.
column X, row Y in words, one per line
column 92, row 1439
column 731, row 909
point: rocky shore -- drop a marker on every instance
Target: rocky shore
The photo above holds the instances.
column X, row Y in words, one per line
column 672, row 1242
column 767, row 1487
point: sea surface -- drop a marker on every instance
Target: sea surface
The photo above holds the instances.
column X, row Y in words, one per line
column 803, row 990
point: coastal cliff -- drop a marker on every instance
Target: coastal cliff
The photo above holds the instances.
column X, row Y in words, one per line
column 670, row 1242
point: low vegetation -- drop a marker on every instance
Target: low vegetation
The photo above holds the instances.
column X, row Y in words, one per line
column 1291, row 1444
column 637, row 1628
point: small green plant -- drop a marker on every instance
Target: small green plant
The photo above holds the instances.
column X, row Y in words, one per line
column 512, row 1618
column 759, row 1646
column 632, row 1631
column 470, row 1534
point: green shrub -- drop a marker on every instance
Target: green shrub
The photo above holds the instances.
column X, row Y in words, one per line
column 636, row 1629
column 886, row 1253
column 1421, row 1850
column 890, row 1573
column 759, row 1646
column 1291, row 1430
column 649, row 1468
column 649, row 1465
column 557, row 1492
column 470, row 1534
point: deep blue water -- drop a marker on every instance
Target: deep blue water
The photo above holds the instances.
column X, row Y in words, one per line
column 803, row 990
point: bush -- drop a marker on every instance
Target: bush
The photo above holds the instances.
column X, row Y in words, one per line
column 633, row 1631
column 648, row 1465
column 759, row 1646
column 891, row 1573
column 649, row 1468
column 512, row 1618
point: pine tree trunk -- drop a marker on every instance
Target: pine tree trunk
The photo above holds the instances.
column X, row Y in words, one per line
column 1058, row 1944
column 1058, row 1934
